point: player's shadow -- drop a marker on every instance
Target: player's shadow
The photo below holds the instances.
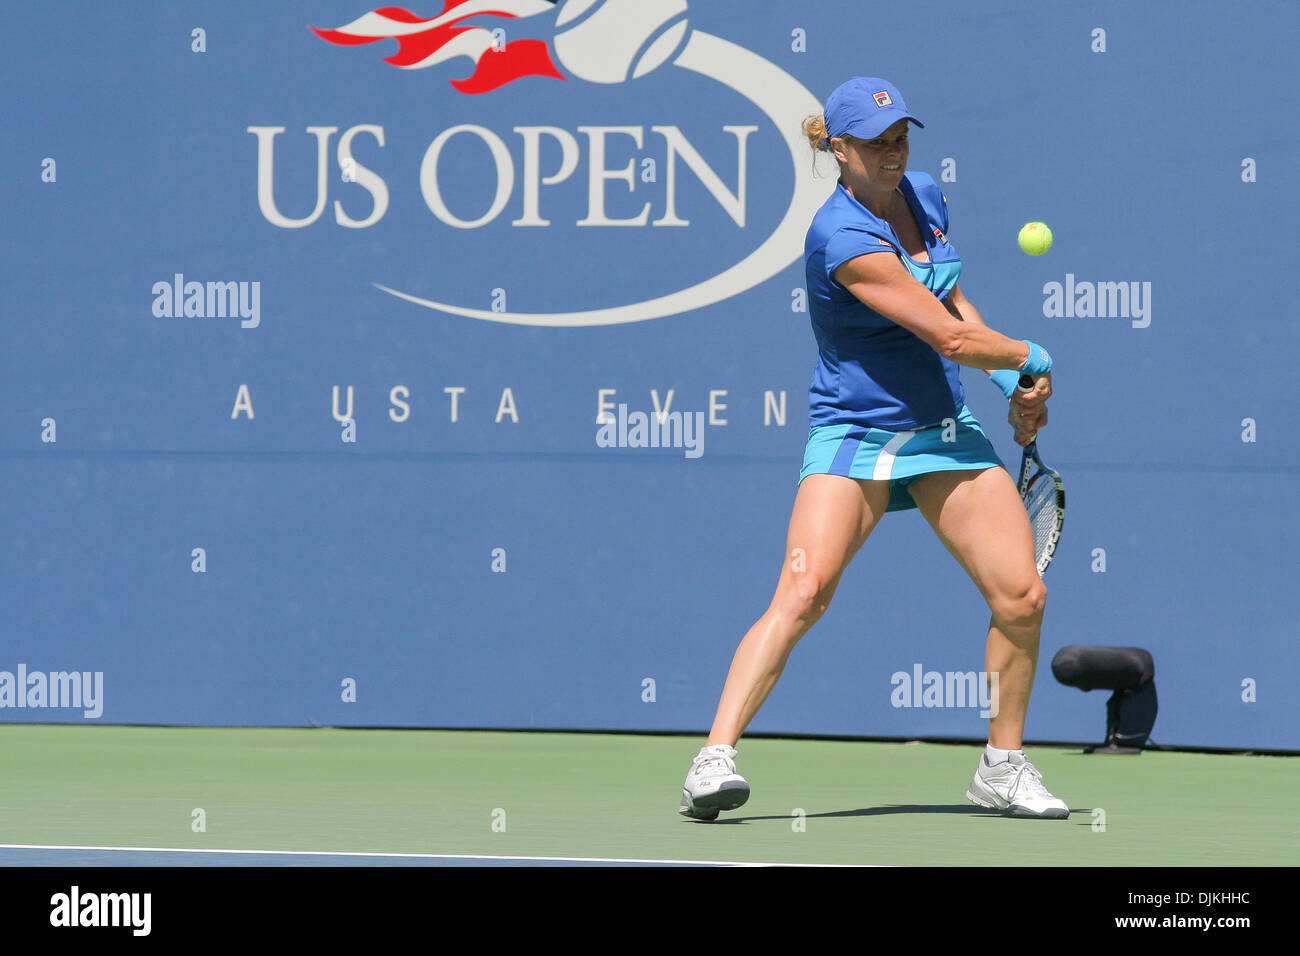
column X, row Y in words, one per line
column 961, row 808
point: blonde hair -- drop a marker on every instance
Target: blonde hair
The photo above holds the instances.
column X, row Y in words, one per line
column 814, row 127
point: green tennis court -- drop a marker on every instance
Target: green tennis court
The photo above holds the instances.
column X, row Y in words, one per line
column 517, row 796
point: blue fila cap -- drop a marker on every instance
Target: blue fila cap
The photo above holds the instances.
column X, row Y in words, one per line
column 865, row 107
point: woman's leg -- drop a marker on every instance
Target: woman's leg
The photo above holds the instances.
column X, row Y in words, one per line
column 981, row 520
column 831, row 519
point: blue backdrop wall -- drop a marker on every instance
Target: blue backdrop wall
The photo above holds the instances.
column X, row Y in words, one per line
column 305, row 354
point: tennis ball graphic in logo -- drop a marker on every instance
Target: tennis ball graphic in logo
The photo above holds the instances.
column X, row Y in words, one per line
column 611, row 41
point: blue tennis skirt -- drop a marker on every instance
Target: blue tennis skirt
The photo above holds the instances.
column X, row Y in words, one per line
column 900, row 458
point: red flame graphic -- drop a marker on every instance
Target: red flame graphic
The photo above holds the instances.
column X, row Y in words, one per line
column 424, row 42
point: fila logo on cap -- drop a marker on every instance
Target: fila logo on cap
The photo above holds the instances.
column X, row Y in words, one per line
column 883, row 100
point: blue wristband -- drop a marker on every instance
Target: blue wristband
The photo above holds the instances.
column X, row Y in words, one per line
column 1039, row 362
column 1005, row 379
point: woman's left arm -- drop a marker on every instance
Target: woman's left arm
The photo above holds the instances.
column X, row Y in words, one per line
column 961, row 307
column 1028, row 410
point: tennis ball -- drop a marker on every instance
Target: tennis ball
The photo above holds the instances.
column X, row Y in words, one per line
column 603, row 45
column 1035, row 238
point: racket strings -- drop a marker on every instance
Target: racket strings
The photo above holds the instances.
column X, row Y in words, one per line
column 1040, row 502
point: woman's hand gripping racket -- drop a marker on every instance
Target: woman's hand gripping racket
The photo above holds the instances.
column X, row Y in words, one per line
column 1043, row 493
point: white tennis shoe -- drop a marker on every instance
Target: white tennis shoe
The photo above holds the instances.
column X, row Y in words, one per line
column 712, row 784
column 1016, row 787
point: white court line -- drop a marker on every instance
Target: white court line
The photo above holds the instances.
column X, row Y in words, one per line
column 412, row 856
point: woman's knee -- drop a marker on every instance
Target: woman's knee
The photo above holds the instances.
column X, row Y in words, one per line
column 807, row 596
column 1021, row 606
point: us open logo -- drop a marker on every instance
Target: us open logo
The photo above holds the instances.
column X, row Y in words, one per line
column 591, row 41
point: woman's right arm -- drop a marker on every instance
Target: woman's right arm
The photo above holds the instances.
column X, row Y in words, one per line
column 879, row 281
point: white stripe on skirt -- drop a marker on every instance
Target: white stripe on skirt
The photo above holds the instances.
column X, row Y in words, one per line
column 884, row 469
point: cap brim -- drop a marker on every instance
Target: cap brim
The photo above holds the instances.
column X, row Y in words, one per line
column 879, row 123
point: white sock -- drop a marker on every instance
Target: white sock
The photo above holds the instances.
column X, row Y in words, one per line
column 995, row 756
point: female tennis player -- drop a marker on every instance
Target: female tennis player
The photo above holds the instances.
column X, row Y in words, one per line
column 890, row 430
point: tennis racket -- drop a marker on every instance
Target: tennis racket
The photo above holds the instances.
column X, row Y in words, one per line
column 1043, row 493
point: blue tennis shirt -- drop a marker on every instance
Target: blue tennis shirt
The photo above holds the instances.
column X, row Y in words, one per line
column 870, row 370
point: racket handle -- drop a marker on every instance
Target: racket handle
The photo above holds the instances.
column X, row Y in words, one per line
column 1026, row 383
